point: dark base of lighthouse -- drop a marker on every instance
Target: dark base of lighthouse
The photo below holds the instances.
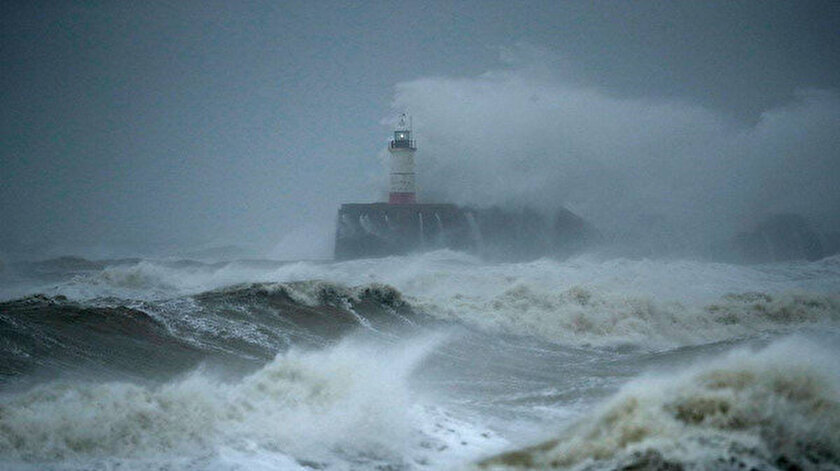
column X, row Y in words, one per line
column 381, row 229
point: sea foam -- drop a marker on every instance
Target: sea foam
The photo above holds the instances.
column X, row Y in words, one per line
column 777, row 407
column 313, row 406
column 583, row 301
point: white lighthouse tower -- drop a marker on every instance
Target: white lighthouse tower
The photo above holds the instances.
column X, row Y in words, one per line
column 402, row 150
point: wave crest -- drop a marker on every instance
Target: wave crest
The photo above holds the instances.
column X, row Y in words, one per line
column 245, row 322
column 581, row 316
column 776, row 407
column 301, row 403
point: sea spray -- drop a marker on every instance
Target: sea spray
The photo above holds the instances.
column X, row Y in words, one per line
column 351, row 399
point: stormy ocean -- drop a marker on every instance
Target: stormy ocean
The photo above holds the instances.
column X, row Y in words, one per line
column 432, row 361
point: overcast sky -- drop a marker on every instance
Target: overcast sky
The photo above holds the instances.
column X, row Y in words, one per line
column 160, row 126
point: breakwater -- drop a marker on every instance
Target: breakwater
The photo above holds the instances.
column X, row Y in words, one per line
column 380, row 229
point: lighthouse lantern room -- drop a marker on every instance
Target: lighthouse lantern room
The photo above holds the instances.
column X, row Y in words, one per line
column 402, row 148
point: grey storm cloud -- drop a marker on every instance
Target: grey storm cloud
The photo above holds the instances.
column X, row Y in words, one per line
column 160, row 128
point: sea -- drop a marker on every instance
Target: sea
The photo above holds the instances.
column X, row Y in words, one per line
column 429, row 361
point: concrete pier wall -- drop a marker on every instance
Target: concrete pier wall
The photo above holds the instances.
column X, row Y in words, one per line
column 380, row 229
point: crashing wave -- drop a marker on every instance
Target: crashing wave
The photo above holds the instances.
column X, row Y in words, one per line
column 244, row 322
column 580, row 316
column 316, row 293
column 776, row 408
column 344, row 399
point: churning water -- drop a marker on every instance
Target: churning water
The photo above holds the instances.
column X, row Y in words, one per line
column 433, row 361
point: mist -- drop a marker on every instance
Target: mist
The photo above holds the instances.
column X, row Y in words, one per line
column 183, row 130
column 525, row 136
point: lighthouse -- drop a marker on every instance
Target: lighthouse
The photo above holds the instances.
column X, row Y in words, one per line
column 402, row 148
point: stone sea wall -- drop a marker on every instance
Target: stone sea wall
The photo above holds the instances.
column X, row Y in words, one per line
column 380, row 229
